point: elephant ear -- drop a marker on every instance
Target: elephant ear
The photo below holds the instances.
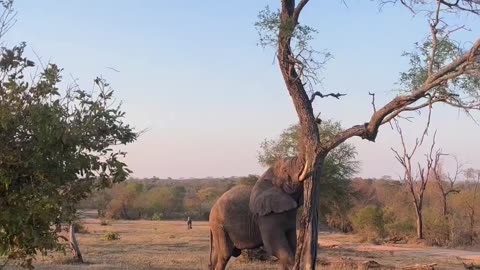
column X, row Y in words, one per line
column 266, row 199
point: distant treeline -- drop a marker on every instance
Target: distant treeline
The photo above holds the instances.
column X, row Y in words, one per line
column 158, row 199
column 376, row 208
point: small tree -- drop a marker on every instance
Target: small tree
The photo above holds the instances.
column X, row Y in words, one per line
column 445, row 182
column 56, row 147
column 415, row 181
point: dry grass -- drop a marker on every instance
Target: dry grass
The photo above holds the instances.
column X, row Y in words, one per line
column 169, row 245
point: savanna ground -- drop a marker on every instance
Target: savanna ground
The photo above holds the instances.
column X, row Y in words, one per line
column 169, row 245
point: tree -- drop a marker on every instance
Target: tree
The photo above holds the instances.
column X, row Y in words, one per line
column 445, row 182
column 124, row 202
column 101, row 200
column 340, row 165
column 178, row 195
column 416, row 181
column 56, row 147
column 440, row 71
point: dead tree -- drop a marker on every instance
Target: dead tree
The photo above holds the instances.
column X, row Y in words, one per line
column 416, row 181
column 445, row 183
column 299, row 71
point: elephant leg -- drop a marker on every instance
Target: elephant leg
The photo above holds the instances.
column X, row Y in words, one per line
column 292, row 240
column 223, row 249
column 276, row 243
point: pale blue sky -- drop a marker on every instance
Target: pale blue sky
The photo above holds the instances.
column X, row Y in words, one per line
column 191, row 73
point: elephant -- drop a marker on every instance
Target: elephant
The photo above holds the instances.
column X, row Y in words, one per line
column 247, row 217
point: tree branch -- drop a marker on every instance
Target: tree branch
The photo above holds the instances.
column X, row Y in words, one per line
column 373, row 101
column 337, row 95
column 399, row 104
column 298, row 9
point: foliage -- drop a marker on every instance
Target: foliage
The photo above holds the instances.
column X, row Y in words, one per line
column 157, row 216
column 401, row 229
column 339, row 167
column 397, row 224
column 306, row 60
column 56, row 147
column 369, row 223
column 268, row 26
column 437, row 229
column 141, row 200
column 249, row 180
column 110, row 236
column 462, row 90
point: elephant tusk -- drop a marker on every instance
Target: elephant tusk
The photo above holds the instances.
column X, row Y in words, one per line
column 305, row 170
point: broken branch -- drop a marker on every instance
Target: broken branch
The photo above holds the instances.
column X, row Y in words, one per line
column 337, row 95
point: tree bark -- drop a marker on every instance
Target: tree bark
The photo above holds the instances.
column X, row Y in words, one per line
column 77, row 255
column 306, row 255
column 472, row 225
column 445, row 210
column 419, row 223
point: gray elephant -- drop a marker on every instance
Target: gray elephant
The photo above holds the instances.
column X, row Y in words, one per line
column 248, row 217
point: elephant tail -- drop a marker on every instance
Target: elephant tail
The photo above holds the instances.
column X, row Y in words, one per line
column 211, row 249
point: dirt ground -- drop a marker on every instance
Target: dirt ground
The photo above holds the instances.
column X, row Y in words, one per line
column 169, row 245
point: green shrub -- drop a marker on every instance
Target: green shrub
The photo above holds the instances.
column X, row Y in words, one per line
column 110, row 236
column 402, row 229
column 369, row 223
column 157, row 216
column 436, row 229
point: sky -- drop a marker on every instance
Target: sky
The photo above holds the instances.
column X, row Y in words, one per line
column 192, row 75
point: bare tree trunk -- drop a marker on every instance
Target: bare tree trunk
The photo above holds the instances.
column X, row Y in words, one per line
column 445, row 210
column 419, row 223
column 125, row 212
column 77, row 255
column 472, row 223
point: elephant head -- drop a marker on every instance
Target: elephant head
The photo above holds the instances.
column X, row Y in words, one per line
column 280, row 188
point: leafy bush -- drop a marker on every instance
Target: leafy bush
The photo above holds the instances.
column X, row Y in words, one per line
column 110, row 236
column 402, row 229
column 369, row 223
column 157, row 216
column 436, row 229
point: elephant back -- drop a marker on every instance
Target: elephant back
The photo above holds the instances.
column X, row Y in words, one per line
column 232, row 214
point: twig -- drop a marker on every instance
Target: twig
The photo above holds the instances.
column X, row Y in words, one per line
column 373, row 101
